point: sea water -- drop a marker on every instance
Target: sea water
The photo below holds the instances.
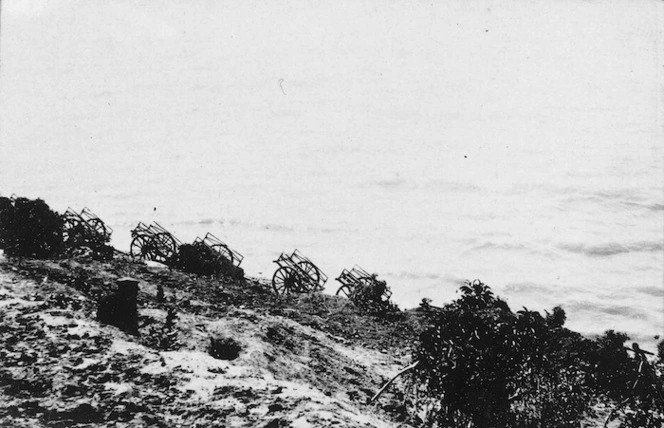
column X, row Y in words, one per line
column 516, row 142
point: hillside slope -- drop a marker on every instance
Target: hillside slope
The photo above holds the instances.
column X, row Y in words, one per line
column 300, row 361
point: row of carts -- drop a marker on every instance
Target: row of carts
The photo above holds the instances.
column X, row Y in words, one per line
column 295, row 272
column 155, row 243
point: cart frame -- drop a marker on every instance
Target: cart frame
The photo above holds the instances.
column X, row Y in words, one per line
column 354, row 278
column 153, row 242
column 84, row 229
column 297, row 274
column 220, row 247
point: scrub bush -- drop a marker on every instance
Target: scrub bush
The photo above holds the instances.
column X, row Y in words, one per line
column 480, row 364
column 28, row 228
column 373, row 297
column 640, row 382
column 6, row 219
column 200, row 259
column 613, row 369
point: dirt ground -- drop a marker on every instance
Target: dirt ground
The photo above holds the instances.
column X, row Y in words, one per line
column 235, row 355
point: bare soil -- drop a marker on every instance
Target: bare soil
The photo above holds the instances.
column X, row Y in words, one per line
column 237, row 355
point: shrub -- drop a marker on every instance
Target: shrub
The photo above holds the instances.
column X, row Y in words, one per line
column 644, row 405
column 613, row 369
column 6, row 220
column 28, row 228
column 481, row 363
column 372, row 296
column 200, row 259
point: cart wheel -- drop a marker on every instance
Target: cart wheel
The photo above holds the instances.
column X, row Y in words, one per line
column 224, row 251
column 150, row 250
column 99, row 228
column 345, row 291
column 285, row 281
column 311, row 271
column 164, row 247
column 139, row 247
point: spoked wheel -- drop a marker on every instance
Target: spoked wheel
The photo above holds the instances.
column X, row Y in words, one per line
column 164, row 247
column 345, row 291
column 224, row 251
column 285, row 281
column 311, row 272
column 140, row 248
column 98, row 228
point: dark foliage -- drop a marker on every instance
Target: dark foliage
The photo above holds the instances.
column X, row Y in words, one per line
column 200, row 259
column 373, row 297
column 613, row 369
column 480, row 363
column 6, row 220
column 28, row 228
column 644, row 405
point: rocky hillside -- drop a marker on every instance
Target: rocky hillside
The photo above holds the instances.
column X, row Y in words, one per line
column 211, row 353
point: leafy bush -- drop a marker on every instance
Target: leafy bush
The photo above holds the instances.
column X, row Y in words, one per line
column 197, row 258
column 28, row 228
column 613, row 369
column 372, row 296
column 480, row 364
column 200, row 259
column 6, row 219
column 643, row 406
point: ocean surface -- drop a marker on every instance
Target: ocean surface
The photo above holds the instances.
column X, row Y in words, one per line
column 516, row 142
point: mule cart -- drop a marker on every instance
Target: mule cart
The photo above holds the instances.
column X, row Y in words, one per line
column 220, row 247
column 297, row 274
column 153, row 242
column 84, row 229
column 356, row 278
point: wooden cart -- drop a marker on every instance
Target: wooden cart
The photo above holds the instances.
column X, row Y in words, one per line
column 84, row 229
column 297, row 274
column 221, row 248
column 153, row 242
column 351, row 280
